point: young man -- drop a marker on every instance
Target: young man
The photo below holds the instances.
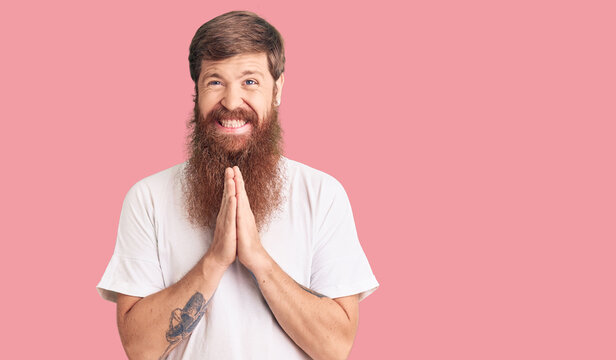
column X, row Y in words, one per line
column 238, row 253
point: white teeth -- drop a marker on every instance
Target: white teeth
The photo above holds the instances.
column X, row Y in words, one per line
column 233, row 123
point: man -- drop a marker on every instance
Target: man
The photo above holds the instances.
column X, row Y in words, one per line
column 239, row 253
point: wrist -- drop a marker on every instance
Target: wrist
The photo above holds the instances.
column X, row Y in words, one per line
column 210, row 266
column 260, row 264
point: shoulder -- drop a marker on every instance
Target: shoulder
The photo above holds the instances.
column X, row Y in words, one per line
column 156, row 184
column 295, row 169
column 315, row 182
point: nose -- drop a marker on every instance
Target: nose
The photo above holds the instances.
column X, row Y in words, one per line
column 232, row 98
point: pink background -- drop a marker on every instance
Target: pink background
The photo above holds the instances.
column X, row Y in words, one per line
column 476, row 140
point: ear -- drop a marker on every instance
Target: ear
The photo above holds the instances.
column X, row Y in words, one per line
column 279, row 85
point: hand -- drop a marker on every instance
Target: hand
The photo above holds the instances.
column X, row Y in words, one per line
column 250, row 251
column 224, row 245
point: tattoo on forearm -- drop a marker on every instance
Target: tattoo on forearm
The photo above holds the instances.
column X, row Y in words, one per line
column 183, row 321
column 311, row 291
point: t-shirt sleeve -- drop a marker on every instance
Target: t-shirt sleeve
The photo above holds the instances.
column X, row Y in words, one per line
column 134, row 268
column 339, row 265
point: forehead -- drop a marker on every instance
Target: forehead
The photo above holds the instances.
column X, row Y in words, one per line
column 236, row 64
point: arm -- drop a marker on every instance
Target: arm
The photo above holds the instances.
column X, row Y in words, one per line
column 324, row 328
column 151, row 327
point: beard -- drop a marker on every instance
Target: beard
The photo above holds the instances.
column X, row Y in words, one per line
column 256, row 153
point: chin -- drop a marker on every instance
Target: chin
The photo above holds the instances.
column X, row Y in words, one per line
column 236, row 143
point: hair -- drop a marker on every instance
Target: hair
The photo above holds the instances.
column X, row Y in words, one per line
column 235, row 33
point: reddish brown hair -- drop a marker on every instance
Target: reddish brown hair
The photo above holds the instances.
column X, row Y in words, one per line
column 235, row 33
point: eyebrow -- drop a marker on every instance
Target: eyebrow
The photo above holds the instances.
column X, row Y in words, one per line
column 252, row 72
column 244, row 73
column 212, row 75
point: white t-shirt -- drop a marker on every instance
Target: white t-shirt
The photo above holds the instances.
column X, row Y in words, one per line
column 312, row 237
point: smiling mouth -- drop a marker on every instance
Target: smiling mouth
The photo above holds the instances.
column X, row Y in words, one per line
column 232, row 124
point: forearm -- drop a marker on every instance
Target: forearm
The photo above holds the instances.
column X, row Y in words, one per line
column 324, row 328
column 317, row 324
column 154, row 325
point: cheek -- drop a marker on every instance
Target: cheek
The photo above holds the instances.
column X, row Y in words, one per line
column 260, row 105
column 205, row 105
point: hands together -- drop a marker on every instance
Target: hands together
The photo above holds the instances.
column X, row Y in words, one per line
column 236, row 232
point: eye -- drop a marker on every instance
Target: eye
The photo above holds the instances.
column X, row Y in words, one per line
column 213, row 82
column 250, row 82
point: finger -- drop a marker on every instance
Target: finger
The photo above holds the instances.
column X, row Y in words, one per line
column 240, row 191
column 228, row 190
column 232, row 201
column 225, row 188
column 244, row 213
column 223, row 200
column 229, row 182
column 239, row 180
column 230, row 213
column 240, row 186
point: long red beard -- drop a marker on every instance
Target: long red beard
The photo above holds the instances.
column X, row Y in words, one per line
column 256, row 154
